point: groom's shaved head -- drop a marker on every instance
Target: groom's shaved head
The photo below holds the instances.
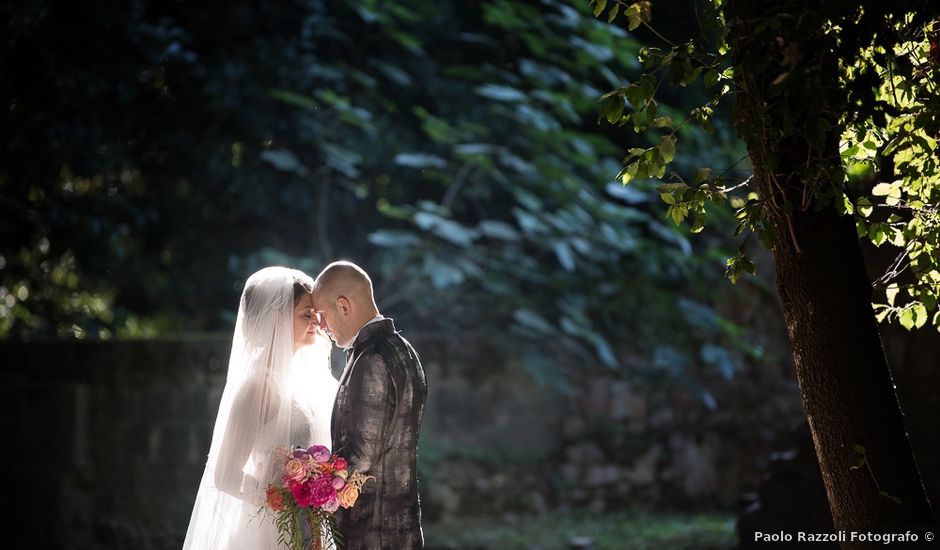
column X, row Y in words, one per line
column 342, row 294
column 344, row 279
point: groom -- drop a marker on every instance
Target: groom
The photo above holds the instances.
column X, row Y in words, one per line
column 377, row 414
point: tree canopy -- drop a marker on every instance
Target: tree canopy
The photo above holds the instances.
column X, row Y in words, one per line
column 886, row 116
column 157, row 154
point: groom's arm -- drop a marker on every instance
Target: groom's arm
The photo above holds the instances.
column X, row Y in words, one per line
column 372, row 396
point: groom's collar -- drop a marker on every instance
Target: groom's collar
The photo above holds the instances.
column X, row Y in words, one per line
column 377, row 325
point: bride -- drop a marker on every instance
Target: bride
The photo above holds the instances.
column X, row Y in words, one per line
column 279, row 392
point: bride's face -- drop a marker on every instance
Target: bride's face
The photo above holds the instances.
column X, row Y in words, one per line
column 305, row 322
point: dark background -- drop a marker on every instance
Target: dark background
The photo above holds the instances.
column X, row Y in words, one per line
column 585, row 355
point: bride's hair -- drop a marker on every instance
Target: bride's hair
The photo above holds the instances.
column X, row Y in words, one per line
column 303, row 286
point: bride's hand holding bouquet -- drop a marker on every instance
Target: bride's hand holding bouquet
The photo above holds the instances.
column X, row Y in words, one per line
column 315, row 483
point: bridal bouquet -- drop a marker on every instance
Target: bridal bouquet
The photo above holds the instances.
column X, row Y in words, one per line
column 314, row 485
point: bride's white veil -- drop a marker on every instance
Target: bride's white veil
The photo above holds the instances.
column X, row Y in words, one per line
column 272, row 398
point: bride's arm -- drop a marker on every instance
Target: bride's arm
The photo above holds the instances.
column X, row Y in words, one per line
column 241, row 431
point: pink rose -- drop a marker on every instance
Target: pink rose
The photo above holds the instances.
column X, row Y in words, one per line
column 294, row 470
column 340, row 463
column 338, row 483
column 322, row 490
column 331, row 506
column 319, row 453
column 303, row 493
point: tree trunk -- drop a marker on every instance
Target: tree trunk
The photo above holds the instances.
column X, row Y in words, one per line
column 787, row 76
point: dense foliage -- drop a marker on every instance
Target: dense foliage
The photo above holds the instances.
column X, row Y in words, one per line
column 157, row 155
column 887, row 174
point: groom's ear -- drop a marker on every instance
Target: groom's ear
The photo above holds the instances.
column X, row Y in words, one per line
column 344, row 305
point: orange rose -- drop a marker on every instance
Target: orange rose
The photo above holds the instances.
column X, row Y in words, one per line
column 274, row 499
column 348, row 496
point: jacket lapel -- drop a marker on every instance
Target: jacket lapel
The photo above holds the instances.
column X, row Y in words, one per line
column 350, row 359
column 363, row 342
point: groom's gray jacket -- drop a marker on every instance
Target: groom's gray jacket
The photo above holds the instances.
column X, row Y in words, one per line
column 376, row 420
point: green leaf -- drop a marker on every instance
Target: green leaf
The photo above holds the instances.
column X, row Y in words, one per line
column 864, row 206
column 612, row 108
column 690, row 75
column 534, row 321
column 881, row 315
column 675, row 211
column 284, row 160
column 748, row 265
column 657, row 169
column 650, row 111
column 646, row 10
column 906, row 318
column 391, row 238
column 662, row 122
column 847, row 206
column 419, row 160
column 495, row 229
column 877, row 233
column 565, row 255
column 499, row 92
column 699, row 224
column 599, row 8
column 891, row 190
column 711, row 78
column 737, row 266
column 630, row 172
column 849, row 152
column 633, row 15
column 667, row 148
column 861, row 228
column 292, row 98
column 635, row 152
column 613, row 13
column 920, row 315
column 647, row 86
column 702, row 174
column 891, row 293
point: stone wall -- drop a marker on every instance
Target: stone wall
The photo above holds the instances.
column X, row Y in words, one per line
column 109, row 439
column 505, row 444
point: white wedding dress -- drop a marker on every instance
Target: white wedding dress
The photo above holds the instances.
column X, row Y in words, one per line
column 273, row 398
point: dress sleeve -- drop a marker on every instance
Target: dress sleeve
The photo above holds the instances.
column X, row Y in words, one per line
column 244, row 424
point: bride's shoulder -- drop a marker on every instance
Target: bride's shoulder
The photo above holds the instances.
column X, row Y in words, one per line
column 260, row 391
